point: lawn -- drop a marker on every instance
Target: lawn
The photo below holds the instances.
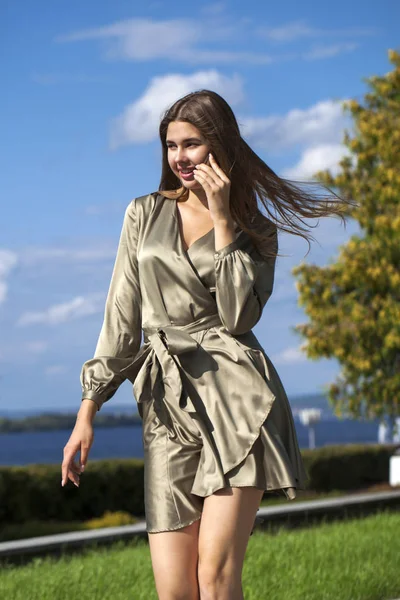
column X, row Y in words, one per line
column 351, row 560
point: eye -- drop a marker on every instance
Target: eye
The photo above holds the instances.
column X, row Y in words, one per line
column 190, row 144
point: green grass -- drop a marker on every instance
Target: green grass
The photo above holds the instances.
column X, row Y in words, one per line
column 352, row 560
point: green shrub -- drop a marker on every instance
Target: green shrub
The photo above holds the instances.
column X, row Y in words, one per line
column 34, row 492
column 347, row 467
column 30, row 529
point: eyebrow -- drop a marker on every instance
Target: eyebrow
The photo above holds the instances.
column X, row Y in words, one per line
column 192, row 139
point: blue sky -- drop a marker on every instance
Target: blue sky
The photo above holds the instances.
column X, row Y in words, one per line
column 85, row 84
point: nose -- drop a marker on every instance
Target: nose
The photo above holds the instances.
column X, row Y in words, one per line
column 180, row 156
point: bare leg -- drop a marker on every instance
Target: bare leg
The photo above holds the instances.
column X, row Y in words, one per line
column 174, row 557
column 226, row 523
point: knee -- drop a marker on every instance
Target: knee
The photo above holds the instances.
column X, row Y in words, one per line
column 178, row 591
column 217, row 581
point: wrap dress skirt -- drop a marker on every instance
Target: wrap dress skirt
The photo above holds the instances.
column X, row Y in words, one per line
column 214, row 411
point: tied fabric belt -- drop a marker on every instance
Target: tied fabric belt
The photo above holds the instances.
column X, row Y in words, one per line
column 156, row 358
column 156, row 374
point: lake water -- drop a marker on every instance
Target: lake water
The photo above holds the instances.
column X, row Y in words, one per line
column 126, row 442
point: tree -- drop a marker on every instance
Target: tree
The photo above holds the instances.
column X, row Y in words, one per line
column 354, row 303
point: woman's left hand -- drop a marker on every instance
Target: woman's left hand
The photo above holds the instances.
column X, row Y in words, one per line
column 217, row 188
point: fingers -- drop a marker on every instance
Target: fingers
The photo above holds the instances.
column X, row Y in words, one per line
column 204, row 172
column 84, row 455
column 214, row 171
column 218, row 169
column 80, row 441
column 73, row 473
column 208, row 181
column 69, row 468
column 200, row 177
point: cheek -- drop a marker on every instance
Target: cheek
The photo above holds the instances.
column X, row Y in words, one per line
column 200, row 156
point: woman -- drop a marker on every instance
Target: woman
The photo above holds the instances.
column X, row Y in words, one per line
column 194, row 270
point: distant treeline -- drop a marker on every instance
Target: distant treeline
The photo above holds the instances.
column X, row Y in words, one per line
column 51, row 422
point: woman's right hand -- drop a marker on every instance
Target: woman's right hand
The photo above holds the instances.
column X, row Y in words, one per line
column 81, row 440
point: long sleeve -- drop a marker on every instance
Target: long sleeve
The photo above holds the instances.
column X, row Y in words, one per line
column 120, row 334
column 244, row 282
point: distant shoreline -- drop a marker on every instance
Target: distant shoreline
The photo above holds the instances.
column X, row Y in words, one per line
column 121, row 416
column 53, row 422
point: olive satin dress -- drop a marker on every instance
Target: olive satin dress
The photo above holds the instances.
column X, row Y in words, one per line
column 214, row 410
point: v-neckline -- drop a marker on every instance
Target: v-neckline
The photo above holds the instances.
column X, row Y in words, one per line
column 199, row 239
column 181, row 241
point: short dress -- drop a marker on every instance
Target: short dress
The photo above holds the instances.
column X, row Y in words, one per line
column 213, row 408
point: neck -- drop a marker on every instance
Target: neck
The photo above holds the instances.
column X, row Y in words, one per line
column 196, row 199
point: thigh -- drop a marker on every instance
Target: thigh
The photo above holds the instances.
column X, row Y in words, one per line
column 174, row 556
column 226, row 524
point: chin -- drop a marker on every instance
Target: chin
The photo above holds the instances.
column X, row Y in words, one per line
column 190, row 184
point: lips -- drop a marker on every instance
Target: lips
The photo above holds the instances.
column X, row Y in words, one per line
column 187, row 176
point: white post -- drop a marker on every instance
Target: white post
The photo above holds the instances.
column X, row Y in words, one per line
column 311, row 437
column 308, row 417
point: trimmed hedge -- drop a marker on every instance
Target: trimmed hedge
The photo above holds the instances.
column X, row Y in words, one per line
column 348, row 467
column 34, row 492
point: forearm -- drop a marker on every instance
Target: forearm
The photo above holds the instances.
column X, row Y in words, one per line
column 87, row 410
column 224, row 231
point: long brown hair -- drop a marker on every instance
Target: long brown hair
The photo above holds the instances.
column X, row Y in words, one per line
column 250, row 177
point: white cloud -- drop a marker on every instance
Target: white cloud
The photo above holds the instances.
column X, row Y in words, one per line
column 299, row 29
column 175, row 40
column 289, row 356
column 213, row 9
column 60, row 313
column 321, row 123
column 36, row 347
column 33, row 256
column 140, row 120
column 317, row 158
column 323, row 51
column 3, row 291
column 19, row 352
column 8, row 261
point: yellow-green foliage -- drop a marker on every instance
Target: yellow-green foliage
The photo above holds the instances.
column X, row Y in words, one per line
column 111, row 519
column 354, row 303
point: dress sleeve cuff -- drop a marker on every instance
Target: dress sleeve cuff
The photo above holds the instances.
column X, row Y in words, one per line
column 95, row 396
column 226, row 249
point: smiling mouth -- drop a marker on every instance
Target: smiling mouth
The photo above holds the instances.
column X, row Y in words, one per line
column 187, row 176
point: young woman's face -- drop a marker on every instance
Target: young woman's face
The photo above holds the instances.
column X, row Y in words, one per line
column 186, row 149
